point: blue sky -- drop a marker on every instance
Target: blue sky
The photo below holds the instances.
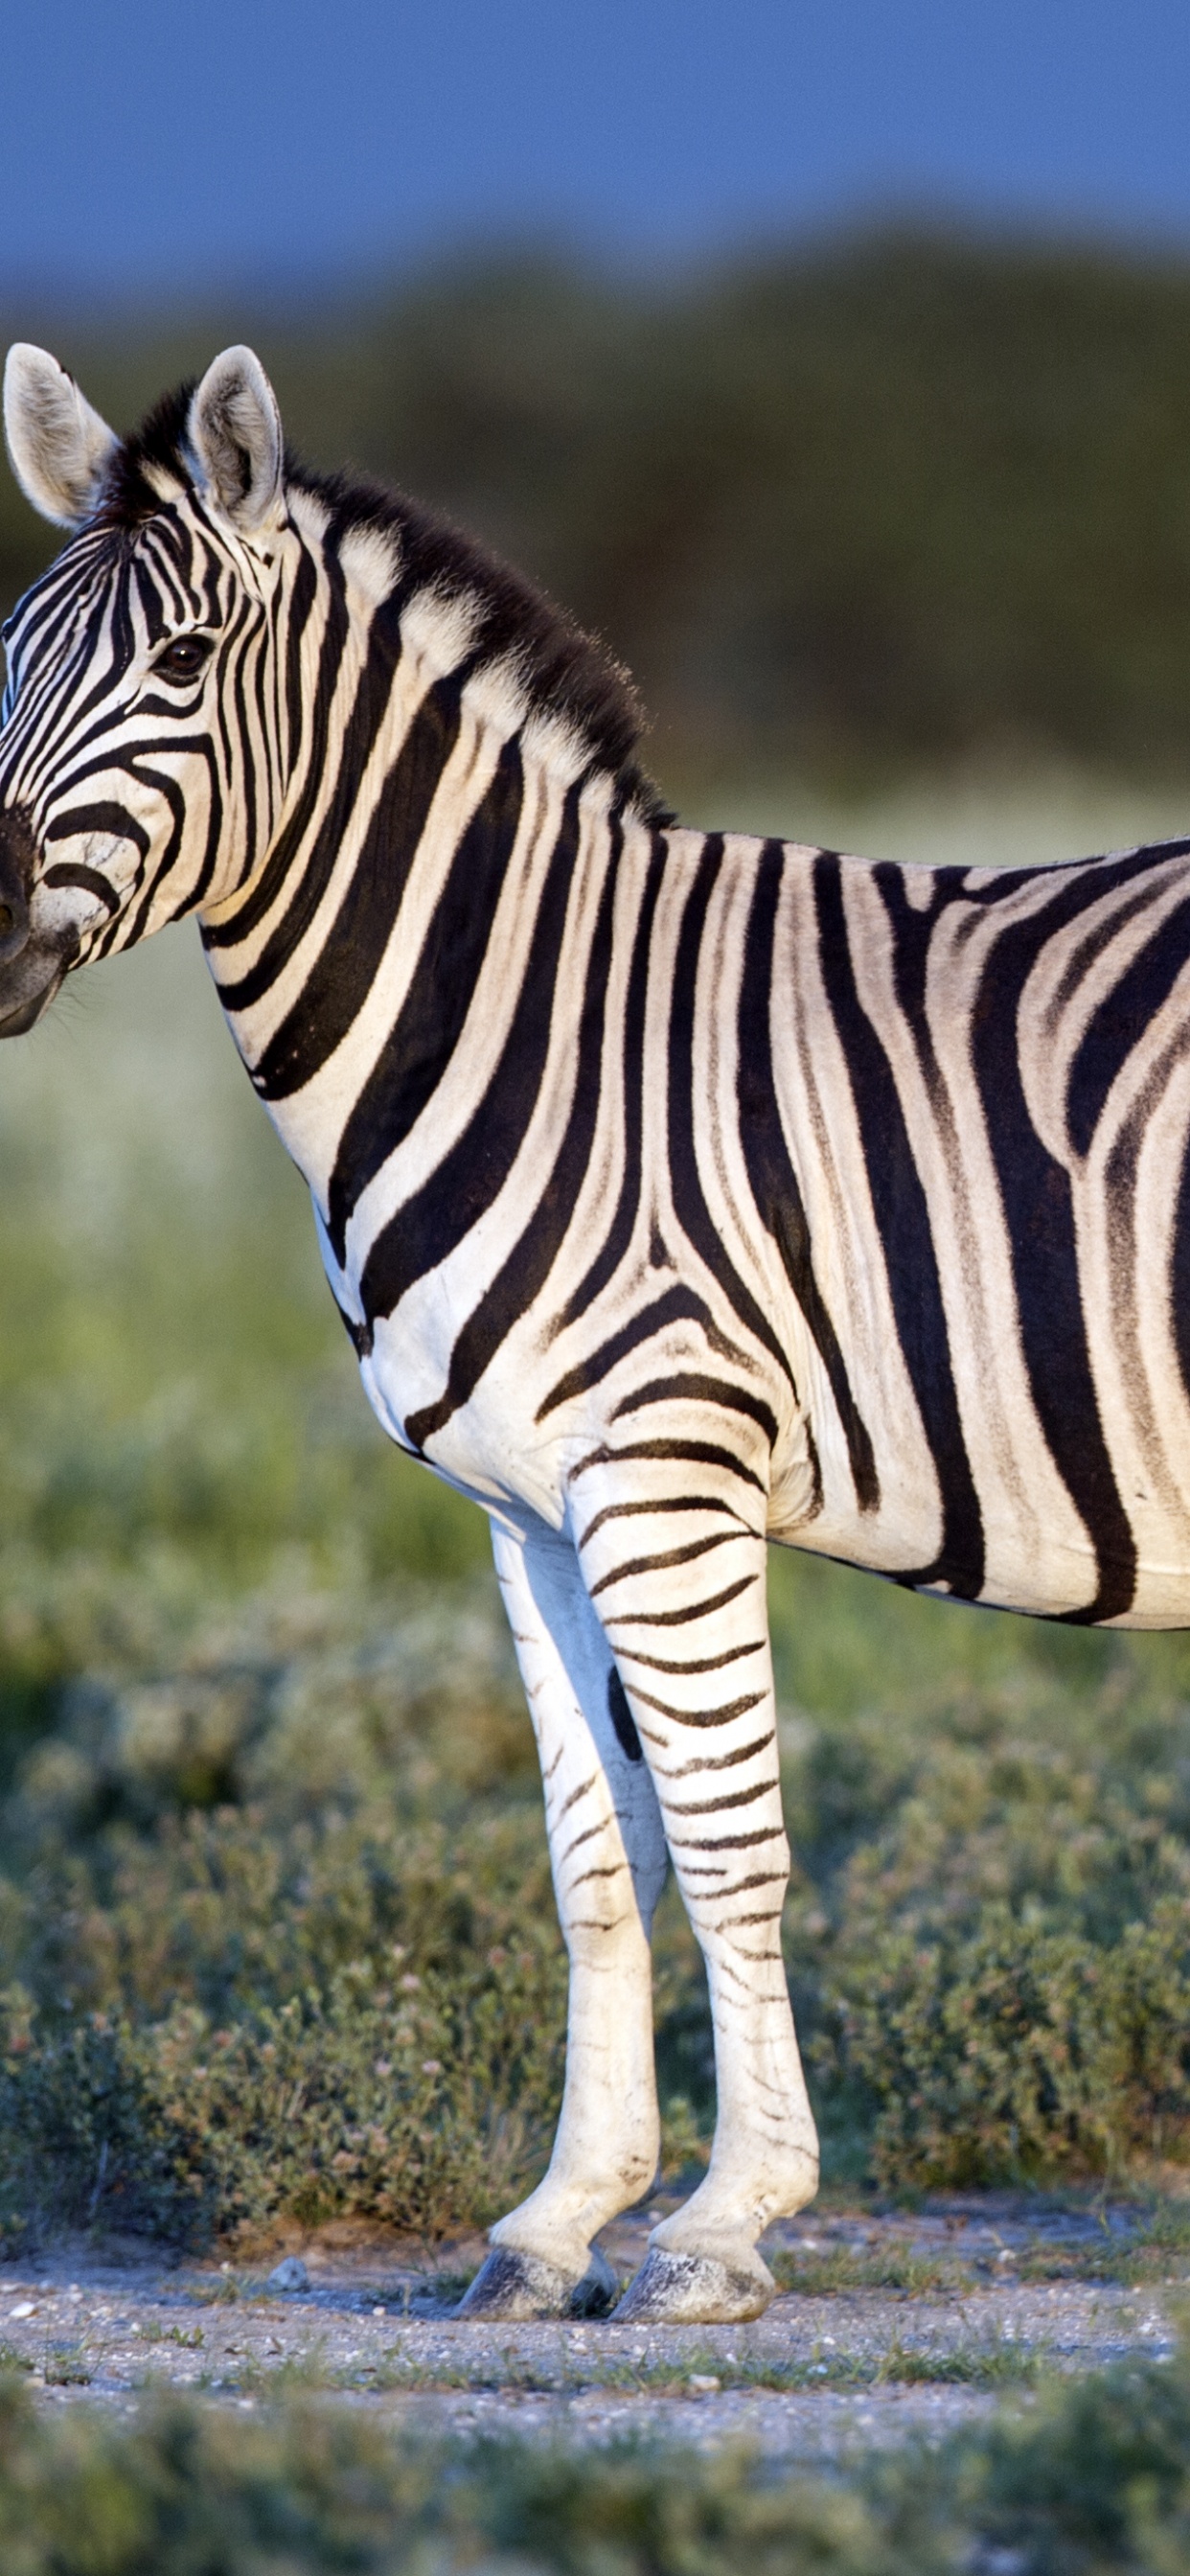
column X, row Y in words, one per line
column 246, row 141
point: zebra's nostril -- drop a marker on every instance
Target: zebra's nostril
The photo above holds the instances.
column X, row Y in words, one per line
column 7, row 919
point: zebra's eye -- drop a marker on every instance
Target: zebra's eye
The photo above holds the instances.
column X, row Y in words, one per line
column 184, row 658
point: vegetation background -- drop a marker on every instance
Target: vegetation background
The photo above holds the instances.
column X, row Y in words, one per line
column 883, row 501
column 895, row 534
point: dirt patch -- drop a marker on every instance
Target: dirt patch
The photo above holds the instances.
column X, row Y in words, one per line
column 891, row 2324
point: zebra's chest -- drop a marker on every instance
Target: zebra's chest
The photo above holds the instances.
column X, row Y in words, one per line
column 489, row 1446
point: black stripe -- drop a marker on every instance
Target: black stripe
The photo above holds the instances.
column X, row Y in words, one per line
column 1124, row 1018
column 913, row 926
column 236, row 646
column 1179, row 1275
column 725, row 1842
column 643, row 1510
column 721, row 1716
column 690, row 1386
column 432, row 1017
column 301, row 610
column 718, row 1805
column 622, row 1718
column 1087, row 950
column 704, row 1453
column 289, row 843
column 678, row 1305
column 689, row 1205
column 697, row 1663
column 355, row 941
column 298, row 1041
column 706, row 1719
column 771, row 1176
column 99, row 818
column 152, row 579
column 171, row 795
column 472, row 1174
column 1039, row 1213
column 704, row 1762
column 668, row 1556
column 532, row 1258
column 680, row 1618
column 619, row 1234
column 210, row 857
column 67, row 874
column 903, row 1223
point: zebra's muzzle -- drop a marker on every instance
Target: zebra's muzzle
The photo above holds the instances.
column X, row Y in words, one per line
column 18, row 858
column 13, row 1024
column 31, row 968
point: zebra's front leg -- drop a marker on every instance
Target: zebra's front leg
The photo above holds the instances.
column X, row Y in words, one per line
column 678, row 1578
column 607, row 1852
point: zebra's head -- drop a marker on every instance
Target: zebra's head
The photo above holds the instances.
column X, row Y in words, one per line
column 143, row 745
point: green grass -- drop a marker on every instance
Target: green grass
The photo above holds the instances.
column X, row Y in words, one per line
column 987, row 2361
column 276, row 1934
column 1155, row 2249
column 834, row 2274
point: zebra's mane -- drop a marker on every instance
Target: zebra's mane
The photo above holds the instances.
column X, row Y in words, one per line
column 563, row 671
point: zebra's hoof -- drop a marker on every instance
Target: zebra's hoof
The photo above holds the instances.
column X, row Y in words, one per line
column 519, row 2287
column 694, row 2290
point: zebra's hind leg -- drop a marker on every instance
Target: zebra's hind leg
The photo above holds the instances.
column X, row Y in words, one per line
column 678, row 1578
column 607, row 1851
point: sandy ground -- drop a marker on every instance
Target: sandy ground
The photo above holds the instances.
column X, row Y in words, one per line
column 816, row 2377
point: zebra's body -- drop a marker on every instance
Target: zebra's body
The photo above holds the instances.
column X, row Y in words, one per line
column 679, row 1190
column 714, row 1255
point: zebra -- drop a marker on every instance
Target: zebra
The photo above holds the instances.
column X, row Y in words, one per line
column 679, row 1190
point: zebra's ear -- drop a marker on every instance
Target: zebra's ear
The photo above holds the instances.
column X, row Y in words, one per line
column 235, row 439
column 60, row 448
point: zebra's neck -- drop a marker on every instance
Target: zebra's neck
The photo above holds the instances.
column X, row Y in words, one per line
column 375, row 979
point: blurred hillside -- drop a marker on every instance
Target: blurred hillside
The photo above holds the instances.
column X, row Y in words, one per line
column 884, row 503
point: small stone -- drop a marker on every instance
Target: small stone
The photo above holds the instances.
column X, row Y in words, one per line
column 704, row 2384
column 23, row 2308
column 289, row 2276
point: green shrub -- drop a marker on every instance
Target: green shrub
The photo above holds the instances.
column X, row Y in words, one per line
column 1004, row 1981
column 84, row 2137
column 1021, row 2052
column 420, row 2108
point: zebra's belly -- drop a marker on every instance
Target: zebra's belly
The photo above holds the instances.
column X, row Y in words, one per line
column 1044, row 1575
column 1011, row 1538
